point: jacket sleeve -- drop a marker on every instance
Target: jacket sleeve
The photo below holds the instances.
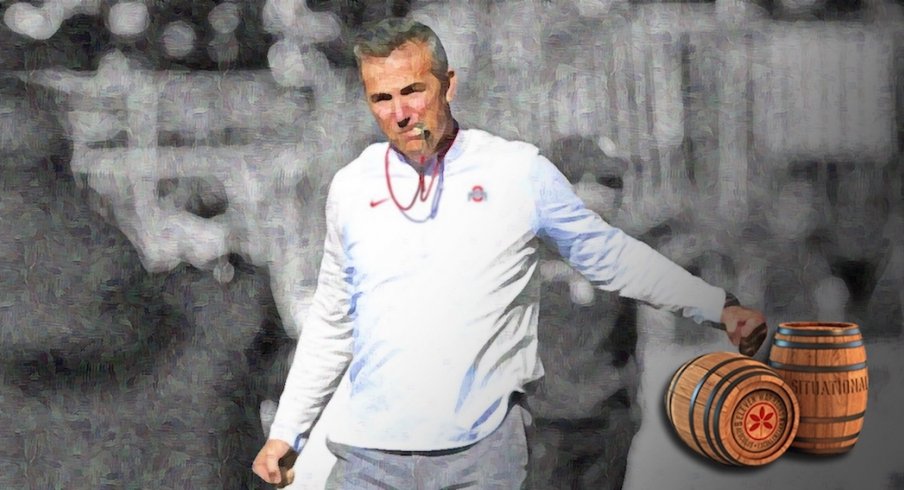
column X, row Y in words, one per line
column 609, row 258
column 325, row 344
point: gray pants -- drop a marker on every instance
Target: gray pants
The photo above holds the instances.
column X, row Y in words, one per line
column 499, row 461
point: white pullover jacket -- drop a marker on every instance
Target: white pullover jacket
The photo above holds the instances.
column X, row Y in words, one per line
column 436, row 318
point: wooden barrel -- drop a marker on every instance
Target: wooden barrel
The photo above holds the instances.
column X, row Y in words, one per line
column 825, row 365
column 732, row 409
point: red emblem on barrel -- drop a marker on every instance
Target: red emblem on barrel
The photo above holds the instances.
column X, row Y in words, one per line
column 760, row 421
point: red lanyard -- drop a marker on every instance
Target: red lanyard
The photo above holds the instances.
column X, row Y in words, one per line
column 423, row 193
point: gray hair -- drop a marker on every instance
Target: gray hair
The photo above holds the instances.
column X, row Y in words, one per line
column 381, row 39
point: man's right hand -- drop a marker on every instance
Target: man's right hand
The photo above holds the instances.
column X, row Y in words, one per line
column 266, row 464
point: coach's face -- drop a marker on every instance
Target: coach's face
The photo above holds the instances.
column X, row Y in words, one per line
column 403, row 94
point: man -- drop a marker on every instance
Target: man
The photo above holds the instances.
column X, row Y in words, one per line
column 428, row 290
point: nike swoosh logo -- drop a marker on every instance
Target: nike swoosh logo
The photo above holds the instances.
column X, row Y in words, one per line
column 376, row 203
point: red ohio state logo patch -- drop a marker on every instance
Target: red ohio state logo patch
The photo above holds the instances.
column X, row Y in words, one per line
column 477, row 194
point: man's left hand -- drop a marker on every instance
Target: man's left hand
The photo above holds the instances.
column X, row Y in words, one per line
column 740, row 322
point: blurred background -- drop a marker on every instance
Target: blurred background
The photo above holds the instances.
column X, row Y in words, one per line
column 164, row 167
